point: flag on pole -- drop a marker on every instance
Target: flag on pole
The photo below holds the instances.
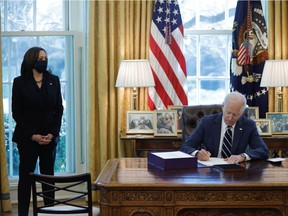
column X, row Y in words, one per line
column 249, row 52
column 166, row 56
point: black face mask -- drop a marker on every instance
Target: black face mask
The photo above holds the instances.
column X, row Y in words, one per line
column 41, row 66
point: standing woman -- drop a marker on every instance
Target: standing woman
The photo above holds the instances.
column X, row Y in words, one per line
column 37, row 109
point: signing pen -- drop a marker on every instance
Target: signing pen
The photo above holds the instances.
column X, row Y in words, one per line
column 203, row 146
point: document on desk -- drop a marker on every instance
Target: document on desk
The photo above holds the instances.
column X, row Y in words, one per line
column 276, row 160
column 213, row 161
column 172, row 154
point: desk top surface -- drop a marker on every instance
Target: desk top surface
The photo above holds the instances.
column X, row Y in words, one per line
column 134, row 172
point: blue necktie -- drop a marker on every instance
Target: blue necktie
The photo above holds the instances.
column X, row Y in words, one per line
column 227, row 143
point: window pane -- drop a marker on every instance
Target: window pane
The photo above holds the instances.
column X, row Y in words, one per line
column 192, row 91
column 13, row 49
column 212, row 89
column 188, row 13
column 213, row 55
column 20, row 15
column 49, row 15
column 57, row 52
column 212, row 14
column 208, row 14
column 9, row 124
column 190, row 53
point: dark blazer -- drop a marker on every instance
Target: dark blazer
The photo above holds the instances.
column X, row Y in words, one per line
column 246, row 138
column 36, row 111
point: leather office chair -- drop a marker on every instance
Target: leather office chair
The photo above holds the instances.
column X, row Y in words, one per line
column 73, row 205
column 191, row 116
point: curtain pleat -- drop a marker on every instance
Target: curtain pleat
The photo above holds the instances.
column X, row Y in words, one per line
column 5, row 202
column 118, row 30
column 278, row 46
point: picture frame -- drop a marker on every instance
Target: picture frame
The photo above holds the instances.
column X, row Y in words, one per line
column 179, row 115
column 139, row 122
column 165, row 123
column 264, row 127
column 253, row 113
column 279, row 122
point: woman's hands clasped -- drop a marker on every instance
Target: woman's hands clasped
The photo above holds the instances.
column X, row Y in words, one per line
column 42, row 140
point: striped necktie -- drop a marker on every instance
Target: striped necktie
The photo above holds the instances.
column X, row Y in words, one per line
column 227, row 143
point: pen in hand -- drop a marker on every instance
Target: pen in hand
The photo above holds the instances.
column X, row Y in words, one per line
column 203, row 154
column 203, row 146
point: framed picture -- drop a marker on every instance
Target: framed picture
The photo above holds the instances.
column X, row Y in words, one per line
column 279, row 122
column 263, row 127
column 253, row 113
column 139, row 122
column 179, row 114
column 165, row 123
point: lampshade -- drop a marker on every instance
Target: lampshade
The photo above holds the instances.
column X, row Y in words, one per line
column 135, row 73
column 275, row 73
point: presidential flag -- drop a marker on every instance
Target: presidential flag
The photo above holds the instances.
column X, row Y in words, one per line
column 166, row 57
column 249, row 52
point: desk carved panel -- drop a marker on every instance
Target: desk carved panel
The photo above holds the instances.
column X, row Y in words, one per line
column 230, row 212
column 141, row 196
column 144, row 211
column 231, row 196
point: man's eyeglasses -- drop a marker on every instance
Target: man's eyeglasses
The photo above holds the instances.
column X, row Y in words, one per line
column 233, row 114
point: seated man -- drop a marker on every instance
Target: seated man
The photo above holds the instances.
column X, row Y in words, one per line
column 228, row 134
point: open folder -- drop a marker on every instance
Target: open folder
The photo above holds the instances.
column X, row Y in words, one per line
column 213, row 161
column 222, row 165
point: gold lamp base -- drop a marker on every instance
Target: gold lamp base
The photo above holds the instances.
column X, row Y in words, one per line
column 134, row 95
column 279, row 94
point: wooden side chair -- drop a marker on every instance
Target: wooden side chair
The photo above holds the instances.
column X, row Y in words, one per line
column 69, row 185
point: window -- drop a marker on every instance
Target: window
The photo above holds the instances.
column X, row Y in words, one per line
column 30, row 23
column 207, row 34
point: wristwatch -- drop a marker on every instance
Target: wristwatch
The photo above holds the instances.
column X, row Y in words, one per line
column 244, row 156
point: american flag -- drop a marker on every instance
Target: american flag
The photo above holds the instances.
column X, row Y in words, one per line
column 166, row 57
column 244, row 50
column 249, row 52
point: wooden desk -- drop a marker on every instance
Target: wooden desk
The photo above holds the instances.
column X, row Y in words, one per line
column 129, row 188
column 278, row 145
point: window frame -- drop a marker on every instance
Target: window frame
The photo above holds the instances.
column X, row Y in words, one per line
column 75, row 84
column 189, row 32
column 78, row 26
column 198, row 78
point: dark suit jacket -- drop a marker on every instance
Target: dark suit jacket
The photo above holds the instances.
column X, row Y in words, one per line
column 36, row 111
column 246, row 138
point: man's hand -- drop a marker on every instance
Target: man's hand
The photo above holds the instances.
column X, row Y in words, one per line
column 203, row 155
column 235, row 159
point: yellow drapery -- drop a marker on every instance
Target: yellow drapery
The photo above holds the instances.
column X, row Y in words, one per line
column 278, row 46
column 118, row 30
column 5, row 203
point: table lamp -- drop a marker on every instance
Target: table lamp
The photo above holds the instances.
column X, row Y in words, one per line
column 133, row 74
column 275, row 74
